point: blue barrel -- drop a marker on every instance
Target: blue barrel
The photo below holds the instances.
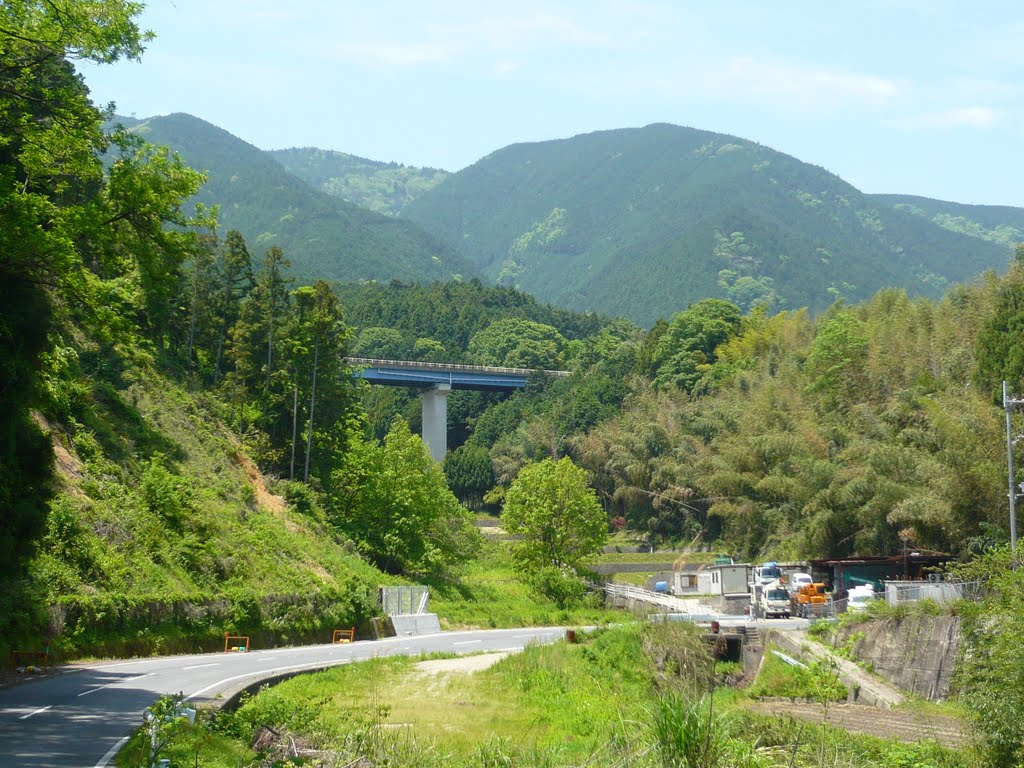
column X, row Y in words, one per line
column 661, row 586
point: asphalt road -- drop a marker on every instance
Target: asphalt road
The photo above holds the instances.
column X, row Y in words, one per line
column 81, row 717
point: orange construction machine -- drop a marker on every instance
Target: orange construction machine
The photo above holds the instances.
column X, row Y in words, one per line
column 810, row 600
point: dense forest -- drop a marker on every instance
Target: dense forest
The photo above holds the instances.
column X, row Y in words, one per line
column 381, row 187
column 640, row 222
column 325, row 237
column 859, row 431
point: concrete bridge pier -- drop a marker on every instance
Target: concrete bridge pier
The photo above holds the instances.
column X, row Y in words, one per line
column 435, row 419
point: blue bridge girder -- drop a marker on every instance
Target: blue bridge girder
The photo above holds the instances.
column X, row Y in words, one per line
column 435, row 381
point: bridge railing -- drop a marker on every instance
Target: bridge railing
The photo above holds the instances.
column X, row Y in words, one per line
column 375, row 362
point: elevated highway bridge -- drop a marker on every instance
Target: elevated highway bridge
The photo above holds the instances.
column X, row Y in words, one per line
column 435, row 381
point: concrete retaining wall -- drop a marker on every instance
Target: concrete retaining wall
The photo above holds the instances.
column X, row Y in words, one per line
column 915, row 653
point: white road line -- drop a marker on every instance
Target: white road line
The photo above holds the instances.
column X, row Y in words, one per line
column 111, row 752
column 311, row 664
column 116, row 682
column 200, row 666
column 26, row 717
column 468, row 642
column 119, row 664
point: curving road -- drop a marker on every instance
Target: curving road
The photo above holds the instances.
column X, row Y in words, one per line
column 80, row 718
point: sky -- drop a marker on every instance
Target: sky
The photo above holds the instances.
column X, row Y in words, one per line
column 904, row 96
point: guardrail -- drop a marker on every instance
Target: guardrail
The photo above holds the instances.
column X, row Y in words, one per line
column 629, row 592
column 371, row 362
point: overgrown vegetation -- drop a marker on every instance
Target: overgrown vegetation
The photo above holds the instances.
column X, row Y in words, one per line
column 639, row 695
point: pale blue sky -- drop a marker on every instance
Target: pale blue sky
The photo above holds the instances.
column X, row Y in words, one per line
column 903, row 96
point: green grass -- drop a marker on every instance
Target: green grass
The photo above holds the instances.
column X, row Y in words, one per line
column 606, row 558
column 623, row 696
column 632, row 579
column 491, row 592
column 777, row 678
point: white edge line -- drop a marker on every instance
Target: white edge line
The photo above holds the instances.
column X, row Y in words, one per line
column 38, row 711
column 111, row 752
column 314, row 664
column 117, row 682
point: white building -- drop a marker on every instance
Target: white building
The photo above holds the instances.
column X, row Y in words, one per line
column 733, row 579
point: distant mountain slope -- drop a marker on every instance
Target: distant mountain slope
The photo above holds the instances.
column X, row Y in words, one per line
column 324, row 237
column 1001, row 224
column 376, row 186
column 641, row 222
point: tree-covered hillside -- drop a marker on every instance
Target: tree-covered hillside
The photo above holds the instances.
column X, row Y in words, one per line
column 642, row 222
column 323, row 237
column 1002, row 224
column 376, row 186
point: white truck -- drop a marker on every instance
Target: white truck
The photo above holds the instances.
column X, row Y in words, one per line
column 859, row 597
column 770, row 600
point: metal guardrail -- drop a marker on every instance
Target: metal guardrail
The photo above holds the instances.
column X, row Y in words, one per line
column 629, row 592
column 372, row 362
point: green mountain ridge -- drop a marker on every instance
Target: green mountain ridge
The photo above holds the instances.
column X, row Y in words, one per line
column 1002, row 224
column 637, row 222
column 322, row 236
column 643, row 221
column 382, row 187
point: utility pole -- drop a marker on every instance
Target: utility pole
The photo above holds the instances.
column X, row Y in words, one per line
column 1008, row 404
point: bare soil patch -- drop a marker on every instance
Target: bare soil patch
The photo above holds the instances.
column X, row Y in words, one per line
column 895, row 724
column 460, row 665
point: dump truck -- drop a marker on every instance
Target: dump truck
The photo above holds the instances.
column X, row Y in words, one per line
column 809, row 601
column 773, row 600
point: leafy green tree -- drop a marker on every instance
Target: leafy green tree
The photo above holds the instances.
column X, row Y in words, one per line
column 256, row 343
column 836, row 361
column 380, row 343
column 393, row 502
column 470, row 473
column 517, row 343
column 196, row 301
column 556, row 512
column 428, row 350
column 1000, row 344
column 686, row 350
column 990, row 672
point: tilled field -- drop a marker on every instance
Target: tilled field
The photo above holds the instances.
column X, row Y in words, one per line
column 898, row 725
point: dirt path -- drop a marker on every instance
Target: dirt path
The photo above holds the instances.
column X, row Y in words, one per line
column 895, row 724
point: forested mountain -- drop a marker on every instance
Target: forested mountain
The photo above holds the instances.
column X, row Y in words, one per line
column 1002, row 224
column 642, row 222
column 322, row 236
column 381, row 187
